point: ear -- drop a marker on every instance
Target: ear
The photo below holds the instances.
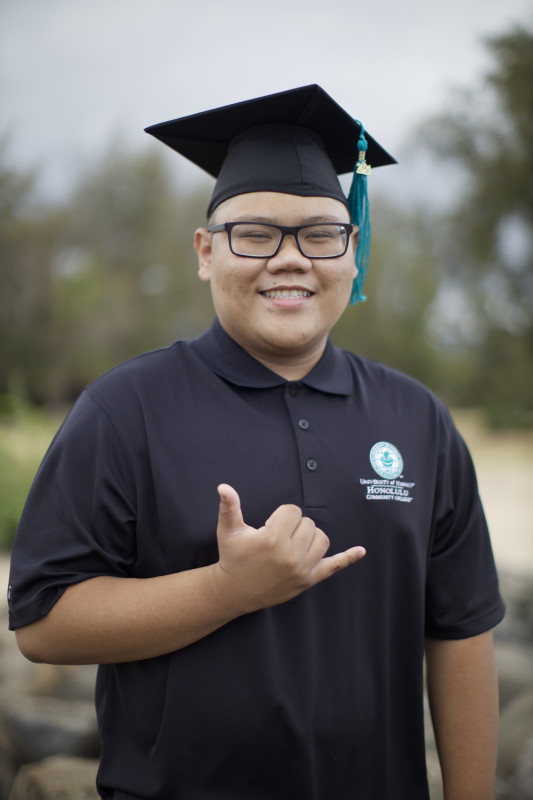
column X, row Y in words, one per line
column 202, row 245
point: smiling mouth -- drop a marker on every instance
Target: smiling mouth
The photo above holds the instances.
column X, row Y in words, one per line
column 284, row 293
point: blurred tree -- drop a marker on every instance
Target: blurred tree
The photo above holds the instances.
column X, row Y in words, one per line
column 112, row 272
column 27, row 234
column 486, row 250
column 86, row 285
column 390, row 325
column 125, row 270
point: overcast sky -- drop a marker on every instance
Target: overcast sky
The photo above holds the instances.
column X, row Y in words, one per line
column 73, row 73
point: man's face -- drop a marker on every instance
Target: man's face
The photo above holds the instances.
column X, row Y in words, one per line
column 279, row 309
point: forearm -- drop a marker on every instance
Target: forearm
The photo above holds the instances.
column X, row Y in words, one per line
column 108, row 619
column 463, row 695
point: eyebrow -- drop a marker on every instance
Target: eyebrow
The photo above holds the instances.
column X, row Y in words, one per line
column 271, row 221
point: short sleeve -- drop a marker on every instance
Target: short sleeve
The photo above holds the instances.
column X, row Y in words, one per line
column 79, row 518
column 462, row 596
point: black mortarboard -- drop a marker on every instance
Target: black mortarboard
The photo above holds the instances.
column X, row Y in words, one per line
column 296, row 141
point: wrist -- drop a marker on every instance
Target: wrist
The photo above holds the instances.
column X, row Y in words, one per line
column 229, row 600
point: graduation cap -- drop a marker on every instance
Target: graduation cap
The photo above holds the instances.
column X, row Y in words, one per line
column 295, row 142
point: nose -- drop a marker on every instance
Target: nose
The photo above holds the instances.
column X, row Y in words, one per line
column 289, row 258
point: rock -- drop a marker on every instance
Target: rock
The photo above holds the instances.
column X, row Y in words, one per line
column 7, row 775
column 516, row 733
column 19, row 675
column 522, row 781
column 15, row 670
column 434, row 775
column 56, row 778
column 47, row 712
column 38, row 727
column 67, row 682
column 515, row 669
column 432, row 759
column 517, row 592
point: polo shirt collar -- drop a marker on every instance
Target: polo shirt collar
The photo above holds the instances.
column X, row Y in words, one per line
column 226, row 358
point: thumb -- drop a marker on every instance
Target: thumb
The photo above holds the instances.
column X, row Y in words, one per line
column 230, row 518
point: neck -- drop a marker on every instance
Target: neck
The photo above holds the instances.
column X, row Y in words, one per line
column 291, row 368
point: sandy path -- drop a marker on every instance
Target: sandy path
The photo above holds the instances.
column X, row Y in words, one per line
column 504, row 466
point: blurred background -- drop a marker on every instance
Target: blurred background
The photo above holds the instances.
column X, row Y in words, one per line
column 96, row 219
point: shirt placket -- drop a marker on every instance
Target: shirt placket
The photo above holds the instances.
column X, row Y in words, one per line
column 306, row 426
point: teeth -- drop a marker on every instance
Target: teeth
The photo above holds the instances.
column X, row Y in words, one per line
column 287, row 293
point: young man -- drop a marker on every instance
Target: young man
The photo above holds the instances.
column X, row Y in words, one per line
column 234, row 662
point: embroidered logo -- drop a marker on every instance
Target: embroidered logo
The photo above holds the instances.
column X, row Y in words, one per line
column 386, row 460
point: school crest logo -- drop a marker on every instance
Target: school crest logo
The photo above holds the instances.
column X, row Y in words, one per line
column 386, row 460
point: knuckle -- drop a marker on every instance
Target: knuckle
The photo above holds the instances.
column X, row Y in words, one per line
column 324, row 541
column 292, row 562
column 291, row 510
column 270, row 541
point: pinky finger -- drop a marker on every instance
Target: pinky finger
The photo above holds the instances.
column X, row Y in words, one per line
column 332, row 564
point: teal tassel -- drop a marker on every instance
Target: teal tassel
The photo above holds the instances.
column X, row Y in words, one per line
column 360, row 216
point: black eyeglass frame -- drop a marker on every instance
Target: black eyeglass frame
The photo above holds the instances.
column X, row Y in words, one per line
column 285, row 230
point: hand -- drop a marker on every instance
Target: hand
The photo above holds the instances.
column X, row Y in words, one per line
column 263, row 567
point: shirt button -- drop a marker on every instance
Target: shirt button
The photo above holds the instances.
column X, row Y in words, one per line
column 311, row 464
column 304, row 424
column 293, row 389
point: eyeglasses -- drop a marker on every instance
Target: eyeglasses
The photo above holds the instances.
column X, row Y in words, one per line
column 259, row 240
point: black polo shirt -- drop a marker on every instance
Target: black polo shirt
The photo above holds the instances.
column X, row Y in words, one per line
column 318, row 698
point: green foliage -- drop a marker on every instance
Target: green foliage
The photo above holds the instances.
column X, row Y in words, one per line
column 24, row 437
column 487, row 244
column 89, row 284
column 112, row 271
column 389, row 325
